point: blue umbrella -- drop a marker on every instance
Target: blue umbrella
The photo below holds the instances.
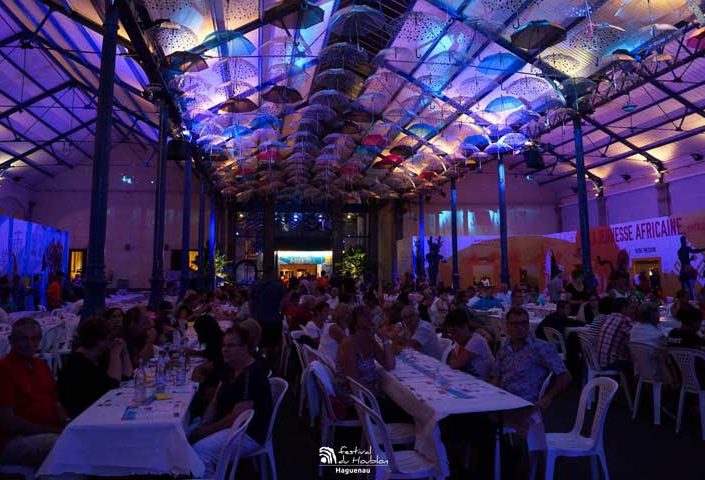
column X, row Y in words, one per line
column 504, row 103
column 236, row 131
column 423, row 130
column 477, row 141
column 232, row 43
column 499, row 64
column 498, row 148
column 265, row 120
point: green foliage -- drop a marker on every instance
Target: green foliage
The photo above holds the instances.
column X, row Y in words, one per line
column 222, row 267
column 355, row 262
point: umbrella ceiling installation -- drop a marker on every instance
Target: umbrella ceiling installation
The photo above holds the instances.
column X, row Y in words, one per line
column 188, row 144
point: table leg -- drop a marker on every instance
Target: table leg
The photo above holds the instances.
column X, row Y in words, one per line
column 498, row 449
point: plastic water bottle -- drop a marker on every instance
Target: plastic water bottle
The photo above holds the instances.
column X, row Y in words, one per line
column 160, row 378
column 181, row 369
column 140, row 384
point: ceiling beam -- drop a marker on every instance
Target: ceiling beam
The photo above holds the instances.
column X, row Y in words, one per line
column 12, row 38
column 31, row 101
column 47, row 143
column 673, row 94
column 65, row 9
column 621, row 156
column 658, row 164
column 26, row 161
column 24, row 138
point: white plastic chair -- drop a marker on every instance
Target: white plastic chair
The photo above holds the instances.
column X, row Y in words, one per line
column 230, row 454
column 278, row 387
column 685, row 359
column 399, row 433
column 59, row 313
column 573, row 443
column 28, row 473
column 312, row 354
column 594, row 370
column 49, row 348
column 41, row 308
column 329, row 420
column 556, row 338
column 286, row 348
column 401, row 463
column 446, row 347
column 650, row 367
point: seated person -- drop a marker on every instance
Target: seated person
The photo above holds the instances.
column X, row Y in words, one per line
column 357, row 354
column 604, row 309
column 420, row 334
column 487, row 300
column 334, row 332
column 588, row 310
column 646, row 329
column 611, row 345
column 558, row 320
column 83, row 379
column 686, row 336
column 165, row 323
column 243, row 386
column 518, row 298
column 301, row 314
column 208, row 374
column 471, row 352
column 521, row 366
column 31, row 417
column 314, row 328
column 139, row 334
column 679, row 301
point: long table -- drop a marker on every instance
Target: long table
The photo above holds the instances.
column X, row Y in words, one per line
column 429, row 391
column 113, row 438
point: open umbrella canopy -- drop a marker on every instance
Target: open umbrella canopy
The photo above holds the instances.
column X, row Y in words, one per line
column 231, row 42
column 237, row 105
column 423, row 130
column 356, row 20
column 281, row 94
column 538, row 35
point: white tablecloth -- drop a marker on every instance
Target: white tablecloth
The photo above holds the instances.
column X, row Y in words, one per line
column 413, row 386
column 102, row 442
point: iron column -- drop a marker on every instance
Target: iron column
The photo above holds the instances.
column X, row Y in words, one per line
column 186, row 229
column 95, row 262
column 157, row 280
column 454, row 233
column 583, row 204
column 503, row 244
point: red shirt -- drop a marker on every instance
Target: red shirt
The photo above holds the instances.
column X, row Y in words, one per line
column 54, row 295
column 29, row 389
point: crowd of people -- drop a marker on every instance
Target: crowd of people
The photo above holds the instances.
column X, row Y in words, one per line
column 353, row 326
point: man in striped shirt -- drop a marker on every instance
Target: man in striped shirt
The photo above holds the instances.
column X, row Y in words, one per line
column 612, row 351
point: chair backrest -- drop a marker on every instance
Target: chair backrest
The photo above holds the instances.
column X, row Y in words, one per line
column 323, row 392
column 4, row 345
column 230, row 453
column 685, row 359
column 313, row 354
column 650, row 362
column 58, row 312
column 546, row 383
column 556, row 338
column 606, row 389
column 376, row 432
column 589, row 353
column 363, row 393
column 446, row 345
column 303, row 359
column 41, row 308
column 51, row 339
column 278, row 387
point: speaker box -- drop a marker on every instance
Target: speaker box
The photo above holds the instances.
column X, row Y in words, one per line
column 533, row 159
column 177, row 150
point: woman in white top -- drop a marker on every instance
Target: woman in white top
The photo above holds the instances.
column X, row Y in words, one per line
column 314, row 328
column 471, row 351
column 334, row 332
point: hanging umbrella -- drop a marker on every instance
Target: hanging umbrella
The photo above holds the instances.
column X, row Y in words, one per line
column 423, row 130
column 235, row 69
column 500, row 64
column 619, row 56
column 659, row 29
column 230, row 43
column 527, row 88
column 302, row 19
column 374, row 140
column 434, row 82
column 596, row 37
column 338, row 138
column 172, row 37
column 476, row 140
column 331, row 98
column 185, row 62
column 505, row 103
column 281, row 94
column 467, row 150
column 497, row 131
column 416, row 28
column 188, row 83
column 514, row 140
column 384, row 82
column 574, row 88
column 357, row 20
column 403, row 151
column 236, row 131
column 360, row 116
column 284, row 49
column 265, row 135
column 391, row 159
column 696, row 39
column 269, row 156
column 474, row 85
column 538, row 35
column 549, row 101
column 337, row 78
column 351, row 128
column 319, row 112
column 498, row 148
column 445, row 62
column 374, row 102
column 563, row 63
column 341, row 54
column 398, row 57
column 264, row 120
column 234, row 88
column 238, row 105
column 521, row 117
